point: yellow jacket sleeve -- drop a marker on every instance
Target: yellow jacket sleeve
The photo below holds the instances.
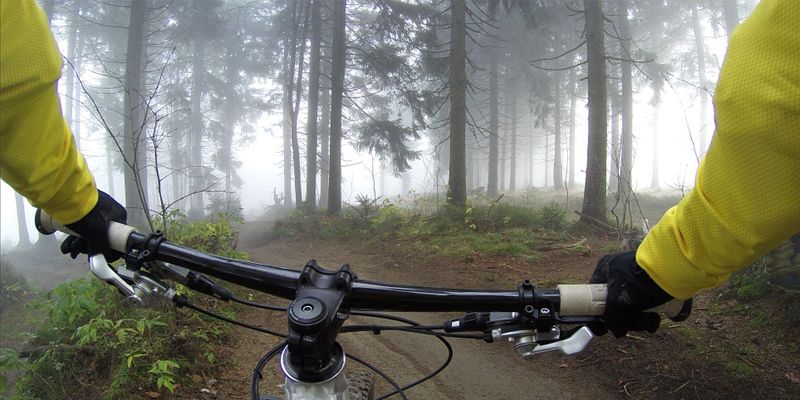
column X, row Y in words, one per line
column 746, row 199
column 38, row 156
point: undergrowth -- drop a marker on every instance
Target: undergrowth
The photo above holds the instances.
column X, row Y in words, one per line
column 491, row 228
column 90, row 340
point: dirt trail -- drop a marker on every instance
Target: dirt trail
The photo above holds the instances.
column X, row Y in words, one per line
column 478, row 371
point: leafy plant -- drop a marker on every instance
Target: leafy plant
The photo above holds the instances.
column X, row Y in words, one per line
column 164, row 374
column 13, row 286
column 9, row 361
column 752, row 283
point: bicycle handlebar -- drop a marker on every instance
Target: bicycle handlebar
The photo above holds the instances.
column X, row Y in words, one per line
column 575, row 300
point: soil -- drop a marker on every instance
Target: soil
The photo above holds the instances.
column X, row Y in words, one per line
column 715, row 355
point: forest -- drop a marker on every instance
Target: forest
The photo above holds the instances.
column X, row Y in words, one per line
column 430, row 142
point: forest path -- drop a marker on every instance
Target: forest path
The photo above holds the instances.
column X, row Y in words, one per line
column 478, row 370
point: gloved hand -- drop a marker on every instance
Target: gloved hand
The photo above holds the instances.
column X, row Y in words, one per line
column 93, row 228
column 630, row 291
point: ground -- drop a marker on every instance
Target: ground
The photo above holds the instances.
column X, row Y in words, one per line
column 719, row 353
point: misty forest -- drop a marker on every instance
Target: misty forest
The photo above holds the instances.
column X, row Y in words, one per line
column 445, row 143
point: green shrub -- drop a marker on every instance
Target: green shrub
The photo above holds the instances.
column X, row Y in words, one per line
column 214, row 235
column 13, row 286
column 553, row 217
column 88, row 323
column 752, row 283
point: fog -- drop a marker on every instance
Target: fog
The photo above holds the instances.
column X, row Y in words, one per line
column 218, row 103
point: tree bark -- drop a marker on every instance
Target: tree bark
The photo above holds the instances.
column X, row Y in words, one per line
column 615, row 100
column 22, row 226
column 494, row 139
column 289, row 55
column 654, row 181
column 626, row 165
column 547, row 173
column 69, row 79
column 512, row 179
column 558, row 168
column 325, row 134
column 699, row 44
column 337, row 92
column 458, row 105
column 226, row 159
column 573, row 99
column 731, row 12
column 298, row 180
column 134, row 142
column 196, row 209
column 594, row 195
column 313, row 106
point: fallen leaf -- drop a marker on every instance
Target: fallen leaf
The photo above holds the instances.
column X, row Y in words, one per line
column 153, row 395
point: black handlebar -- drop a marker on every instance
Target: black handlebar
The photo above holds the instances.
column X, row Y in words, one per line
column 364, row 295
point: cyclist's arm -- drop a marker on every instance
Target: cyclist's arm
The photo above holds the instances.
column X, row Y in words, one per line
column 38, row 156
column 746, row 199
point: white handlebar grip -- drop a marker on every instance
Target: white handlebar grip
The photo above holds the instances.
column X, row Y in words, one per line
column 582, row 300
column 590, row 300
column 117, row 233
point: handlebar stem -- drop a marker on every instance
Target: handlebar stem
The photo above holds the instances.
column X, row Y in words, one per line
column 315, row 317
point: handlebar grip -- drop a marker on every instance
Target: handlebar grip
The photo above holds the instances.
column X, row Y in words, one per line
column 117, row 233
column 590, row 300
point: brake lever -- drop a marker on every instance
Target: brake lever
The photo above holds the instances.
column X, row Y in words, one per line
column 571, row 345
column 142, row 292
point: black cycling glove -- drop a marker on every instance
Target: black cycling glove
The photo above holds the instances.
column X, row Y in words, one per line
column 93, row 229
column 630, row 291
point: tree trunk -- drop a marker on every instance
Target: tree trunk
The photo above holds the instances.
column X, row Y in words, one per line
column 324, row 106
column 458, row 104
column 731, row 12
column 494, row 134
column 502, row 160
column 626, row 165
column 654, row 181
column 226, row 160
column 615, row 98
column 76, row 97
column 49, row 7
column 337, row 92
column 547, row 174
column 699, row 44
column 382, row 178
column 530, row 155
column 196, row 201
column 313, row 106
column 573, row 99
column 177, row 159
column 289, row 55
column 558, row 169
column 298, row 179
column 134, row 141
column 512, row 179
column 111, row 150
column 69, row 81
column 22, row 226
column 325, row 133
column 594, row 195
